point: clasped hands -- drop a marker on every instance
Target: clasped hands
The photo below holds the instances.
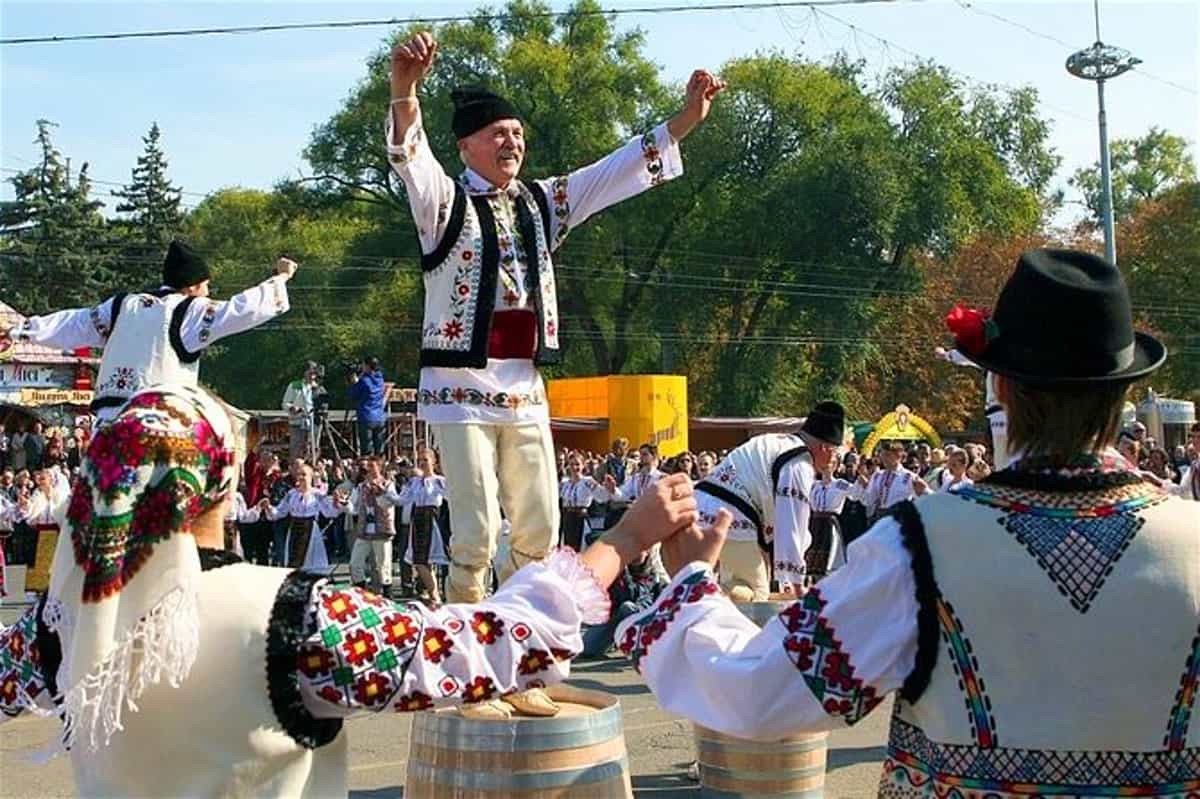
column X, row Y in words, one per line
column 666, row 514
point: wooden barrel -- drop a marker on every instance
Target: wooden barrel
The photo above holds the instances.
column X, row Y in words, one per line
column 578, row 754
column 730, row 767
column 733, row 767
column 762, row 612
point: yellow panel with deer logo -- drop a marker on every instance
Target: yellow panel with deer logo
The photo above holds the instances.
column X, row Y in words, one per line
column 649, row 408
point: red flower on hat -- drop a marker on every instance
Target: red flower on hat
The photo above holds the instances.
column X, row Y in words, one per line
column 972, row 329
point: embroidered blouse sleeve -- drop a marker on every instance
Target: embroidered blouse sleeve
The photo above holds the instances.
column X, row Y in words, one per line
column 792, row 510
column 246, row 515
column 329, row 508
column 66, row 330
column 208, row 321
column 372, row 654
column 825, row 662
column 641, row 163
column 430, row 190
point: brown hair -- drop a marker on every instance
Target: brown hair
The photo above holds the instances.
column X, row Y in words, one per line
column 1065, row 420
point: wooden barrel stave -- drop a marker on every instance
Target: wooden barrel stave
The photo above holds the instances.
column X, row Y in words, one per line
column 793, row 767
column 564, row 757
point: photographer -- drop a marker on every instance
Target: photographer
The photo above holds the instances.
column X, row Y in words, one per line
column 369, row 396
column 299, row 401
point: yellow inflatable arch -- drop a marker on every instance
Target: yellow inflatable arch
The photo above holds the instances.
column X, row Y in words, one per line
column 901, row 425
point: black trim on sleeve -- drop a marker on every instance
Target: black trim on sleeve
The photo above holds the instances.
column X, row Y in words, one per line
column 912, row 533
column 49, row 649
column 730, row 498
column 458, row 215
column 782, row 460
column 539, row 196
column 174, row 333
column 99, row 403
column 287, row 630
column 117, row 301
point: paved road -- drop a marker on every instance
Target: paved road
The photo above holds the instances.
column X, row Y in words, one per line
column 659, row 744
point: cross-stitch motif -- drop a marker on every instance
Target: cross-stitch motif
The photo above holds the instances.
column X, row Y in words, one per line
column 918, row 767
column 814, row 649
column 640, row 635
column 364, row 647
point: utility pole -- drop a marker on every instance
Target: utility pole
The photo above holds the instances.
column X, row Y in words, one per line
column 1099, row 63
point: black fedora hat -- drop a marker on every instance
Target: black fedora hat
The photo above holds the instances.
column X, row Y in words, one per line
column 1062, row 319
column 826, row 422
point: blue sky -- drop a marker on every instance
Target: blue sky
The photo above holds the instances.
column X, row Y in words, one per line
column 238, row 110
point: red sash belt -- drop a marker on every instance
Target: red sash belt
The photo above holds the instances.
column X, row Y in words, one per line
column 514, row 334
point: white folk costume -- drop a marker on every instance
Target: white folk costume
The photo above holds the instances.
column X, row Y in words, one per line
column 425, row 495
column 887, row 488
column 828, row 549
column 155, row 337
column 208, row 628
column 491, row 318
column 305, row 547
column 575, row 498
column 950, row 483
column 745, row 483
column 1040, row 627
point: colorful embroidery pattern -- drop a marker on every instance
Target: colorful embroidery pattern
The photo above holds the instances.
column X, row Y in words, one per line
column 970, row 683
column 21, row 680
column 918, row 767
column 466, row 257
column 1077, row 540
column 465, row 395
column 651, row 626
column 362, row 650
column 654, row 164
column 122, row 380
column 206, row 321
column 1185, row 700
column 561, row 209
column 814, row 649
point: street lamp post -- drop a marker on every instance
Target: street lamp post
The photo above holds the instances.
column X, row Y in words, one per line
column 1099, row 63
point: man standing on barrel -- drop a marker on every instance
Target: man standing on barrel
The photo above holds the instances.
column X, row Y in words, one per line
column 491, row 310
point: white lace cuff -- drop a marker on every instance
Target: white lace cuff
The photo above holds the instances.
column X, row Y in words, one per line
column 591, row 599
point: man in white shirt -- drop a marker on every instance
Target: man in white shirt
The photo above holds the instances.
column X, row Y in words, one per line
column 491, row 309
column 890, row 485
column 152, row 337
column 298, row 402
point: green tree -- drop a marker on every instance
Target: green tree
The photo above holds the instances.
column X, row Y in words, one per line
column 55, row 246
column 1142, row 168
column 155, row 216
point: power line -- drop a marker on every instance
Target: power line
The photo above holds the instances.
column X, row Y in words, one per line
column 395, row 21
column 968, row 6
column 100, row 182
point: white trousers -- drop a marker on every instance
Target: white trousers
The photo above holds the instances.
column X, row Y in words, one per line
column 364, row 548
column 488, row 466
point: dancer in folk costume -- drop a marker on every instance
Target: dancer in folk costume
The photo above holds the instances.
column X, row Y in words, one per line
column 374, row 528
column 301, row 507
column 491, row 309
column 891, row 484
column 158, row 336
column 425, row 492
column 239, row 514
column 154, row 641
column 827, row 550
column 1065, row 571
column 576, row 493
column 765, row 485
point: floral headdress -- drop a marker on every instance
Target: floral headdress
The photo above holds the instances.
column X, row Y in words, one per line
column 124, row 583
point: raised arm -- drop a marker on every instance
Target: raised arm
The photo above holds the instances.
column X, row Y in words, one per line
column 430, row 190
column 207, row 321
column 66, row 330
